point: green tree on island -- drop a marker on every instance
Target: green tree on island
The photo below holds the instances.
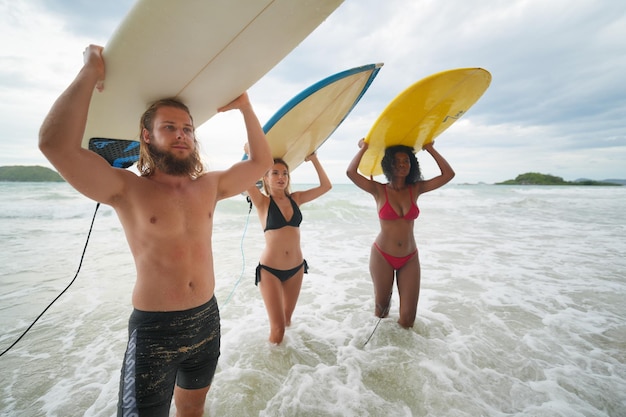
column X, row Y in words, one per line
column 534, row 178
column 19, row 173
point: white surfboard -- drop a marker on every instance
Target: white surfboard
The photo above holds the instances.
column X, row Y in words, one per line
column 203, row 52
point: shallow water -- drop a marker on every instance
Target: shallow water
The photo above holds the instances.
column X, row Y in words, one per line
column 521, row 311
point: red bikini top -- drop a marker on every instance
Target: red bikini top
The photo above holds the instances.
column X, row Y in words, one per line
column 388, row 213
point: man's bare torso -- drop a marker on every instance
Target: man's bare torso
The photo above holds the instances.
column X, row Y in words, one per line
column 168, row 223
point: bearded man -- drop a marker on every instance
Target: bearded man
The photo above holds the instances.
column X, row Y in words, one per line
column 167, row 216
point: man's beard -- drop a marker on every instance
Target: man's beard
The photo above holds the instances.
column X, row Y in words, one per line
column 169, row 164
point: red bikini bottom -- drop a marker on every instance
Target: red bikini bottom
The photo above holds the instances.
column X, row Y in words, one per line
column 396, row 262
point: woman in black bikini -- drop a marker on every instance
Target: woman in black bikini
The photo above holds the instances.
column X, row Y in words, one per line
column 282, row 265
column 395, row 250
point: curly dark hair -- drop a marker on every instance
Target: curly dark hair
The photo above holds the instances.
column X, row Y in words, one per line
column 415, row 174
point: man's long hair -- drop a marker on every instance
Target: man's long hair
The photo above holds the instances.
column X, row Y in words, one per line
column 146, row 164
column 415, row 174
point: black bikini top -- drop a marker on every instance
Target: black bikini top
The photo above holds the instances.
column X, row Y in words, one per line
column 276, row 220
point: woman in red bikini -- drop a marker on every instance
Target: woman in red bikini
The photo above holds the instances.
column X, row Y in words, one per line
column 394, row 251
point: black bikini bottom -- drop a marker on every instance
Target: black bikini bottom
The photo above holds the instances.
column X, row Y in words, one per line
column 282, row 275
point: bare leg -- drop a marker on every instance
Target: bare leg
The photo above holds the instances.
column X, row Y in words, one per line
column 190, row 402
column 408, row 282
column 291, row 292
column 382, row 277
column 272, row 292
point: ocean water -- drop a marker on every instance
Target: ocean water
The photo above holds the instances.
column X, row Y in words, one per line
column 521, row 313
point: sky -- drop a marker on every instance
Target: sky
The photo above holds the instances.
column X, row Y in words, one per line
column 556, row 104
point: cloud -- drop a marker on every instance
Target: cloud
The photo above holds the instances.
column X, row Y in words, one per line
column 87, row 18
column 555, row 105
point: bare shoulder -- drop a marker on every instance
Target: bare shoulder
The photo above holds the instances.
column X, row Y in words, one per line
column 210, row 176
column 210, row 182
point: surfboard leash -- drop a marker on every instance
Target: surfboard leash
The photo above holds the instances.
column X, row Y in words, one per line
column 384, row 313
column 62, row 292
column 243, row 255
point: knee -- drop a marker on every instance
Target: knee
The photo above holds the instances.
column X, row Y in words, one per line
column 189, row 410
column 190, row 403
column 407, row 324
column 381, row 311
column 407, row 320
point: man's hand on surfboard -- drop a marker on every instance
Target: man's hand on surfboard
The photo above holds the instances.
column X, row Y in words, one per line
column 92, row 57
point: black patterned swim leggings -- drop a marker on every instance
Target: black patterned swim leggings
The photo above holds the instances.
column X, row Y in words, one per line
column 167, row 348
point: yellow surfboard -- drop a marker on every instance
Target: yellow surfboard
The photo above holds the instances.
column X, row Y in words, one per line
column 422, row 112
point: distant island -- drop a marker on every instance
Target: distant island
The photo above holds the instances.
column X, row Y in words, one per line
column 36, row 173
column 534, row 178
column 20, row 173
